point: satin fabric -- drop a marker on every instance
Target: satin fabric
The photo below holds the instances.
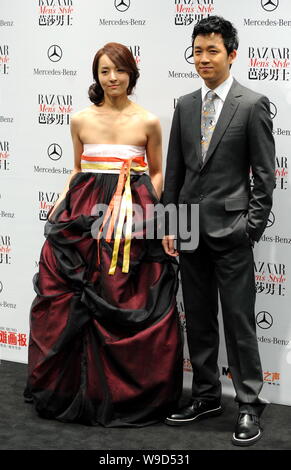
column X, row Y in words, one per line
column 103, row 349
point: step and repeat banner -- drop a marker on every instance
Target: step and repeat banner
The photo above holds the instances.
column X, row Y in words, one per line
column 46, row 52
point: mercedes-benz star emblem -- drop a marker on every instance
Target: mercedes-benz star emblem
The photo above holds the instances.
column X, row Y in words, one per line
column 270, row 5
column 264, row 320
column 54, row 151
column 55, row 53
column 271, row 220
column 273, row 110
column 188, row 54
column 122, row 5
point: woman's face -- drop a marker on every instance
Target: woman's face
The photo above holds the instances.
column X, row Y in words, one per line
column 113, row 79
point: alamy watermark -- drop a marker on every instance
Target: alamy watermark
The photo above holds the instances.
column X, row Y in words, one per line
column 154, row 221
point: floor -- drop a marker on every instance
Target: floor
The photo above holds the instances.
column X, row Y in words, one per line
column 22, row 429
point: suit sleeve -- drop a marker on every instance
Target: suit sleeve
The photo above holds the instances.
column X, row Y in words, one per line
column 175, row 169
column 262, row 160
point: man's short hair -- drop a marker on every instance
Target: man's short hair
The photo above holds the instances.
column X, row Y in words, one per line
column 217, row 24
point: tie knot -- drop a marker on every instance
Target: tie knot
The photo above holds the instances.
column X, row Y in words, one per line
column 211, row 95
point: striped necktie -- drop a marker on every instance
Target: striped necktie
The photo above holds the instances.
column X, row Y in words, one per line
column 207, row 121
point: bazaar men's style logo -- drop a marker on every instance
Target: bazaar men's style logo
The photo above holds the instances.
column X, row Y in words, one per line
column 5, row 249
column 281, row 173
column 122, row 5
column 270, row 5
column 55, row 53
column 4, row 155
column 55, row 109
column 4, row 59
column 189, row 12
column 269, row 63
column 54, row 152
column 264, row 320
column 270, row 278
column 46, row 202
column 188, row 54
column 55, row 12
column 135, row 50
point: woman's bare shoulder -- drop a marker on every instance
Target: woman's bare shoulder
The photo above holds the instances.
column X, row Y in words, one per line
column 147, row 116
column 83, row 114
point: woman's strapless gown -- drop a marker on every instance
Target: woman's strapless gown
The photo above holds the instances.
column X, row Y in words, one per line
column 104, row 349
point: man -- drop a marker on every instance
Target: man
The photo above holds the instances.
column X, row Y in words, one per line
column 219, row 133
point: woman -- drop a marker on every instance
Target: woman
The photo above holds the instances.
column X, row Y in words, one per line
column 105, row 342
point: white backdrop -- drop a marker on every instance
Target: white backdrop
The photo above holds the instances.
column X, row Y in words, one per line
column 46, row 51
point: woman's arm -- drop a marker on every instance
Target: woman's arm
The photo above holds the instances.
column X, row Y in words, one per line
column 78, row 150
column 154, row 153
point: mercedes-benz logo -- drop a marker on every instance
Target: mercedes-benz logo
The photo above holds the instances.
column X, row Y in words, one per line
column 1, row 287
column 188, row 54
column 264, row 320
column 54, row 151
column 273, row 110
column 55, row 53
column 122, row 5
column 271, row 220
column 270, row 5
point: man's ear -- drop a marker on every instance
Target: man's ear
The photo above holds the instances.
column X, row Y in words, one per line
column 232, row 56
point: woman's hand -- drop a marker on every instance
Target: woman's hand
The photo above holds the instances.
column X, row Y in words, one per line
column 168, row 245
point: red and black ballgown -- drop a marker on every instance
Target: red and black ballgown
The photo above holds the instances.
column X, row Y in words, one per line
column 105, row 341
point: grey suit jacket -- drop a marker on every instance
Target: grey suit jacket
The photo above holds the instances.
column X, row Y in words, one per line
column 241, row 142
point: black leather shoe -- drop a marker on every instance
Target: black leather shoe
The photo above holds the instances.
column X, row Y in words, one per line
column 197, row 409
column 247, row 430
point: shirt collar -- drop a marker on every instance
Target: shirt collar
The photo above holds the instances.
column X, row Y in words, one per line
column 221, row 91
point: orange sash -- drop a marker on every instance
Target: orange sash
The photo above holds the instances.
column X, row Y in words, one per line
column 120, row 205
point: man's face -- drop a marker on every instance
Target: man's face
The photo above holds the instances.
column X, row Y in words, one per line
column 211, row 59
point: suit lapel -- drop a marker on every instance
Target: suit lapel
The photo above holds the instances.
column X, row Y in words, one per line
column 229, row 108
